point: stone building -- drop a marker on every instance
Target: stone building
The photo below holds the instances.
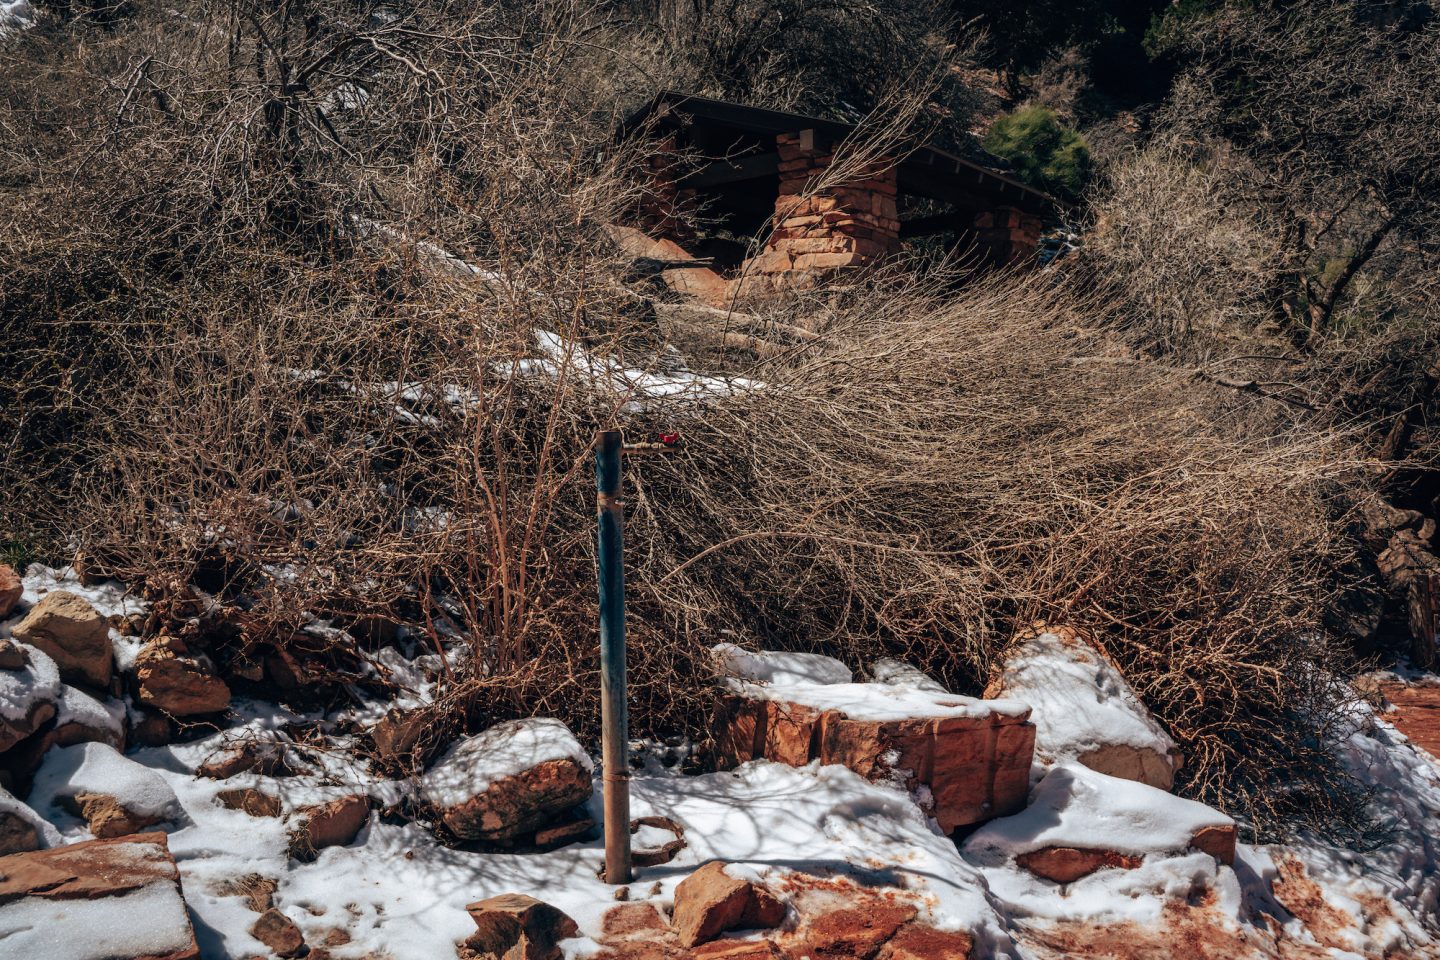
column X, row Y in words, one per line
column 780, row 214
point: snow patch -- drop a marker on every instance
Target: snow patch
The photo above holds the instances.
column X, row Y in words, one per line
column 150, row 921
column 775, row 666
column 1073, row 806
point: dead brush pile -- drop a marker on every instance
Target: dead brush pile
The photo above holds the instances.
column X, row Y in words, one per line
column 332, row 362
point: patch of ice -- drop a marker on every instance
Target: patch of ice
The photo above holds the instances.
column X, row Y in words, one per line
column 470, row 766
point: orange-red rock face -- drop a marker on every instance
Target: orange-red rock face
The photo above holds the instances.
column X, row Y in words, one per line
column 975, row 768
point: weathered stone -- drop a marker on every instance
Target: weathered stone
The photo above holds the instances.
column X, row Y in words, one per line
column 397, row 738
column 12, row 656
column 1068, row 864
column 856, row 931
column 251, row 800
column 149, row 728
column 917, row 941
column 17, row 835
column 332, row 824
column 279, row 933
column 975, row 768
column 10, row 590
column 67, row 628
column 264, row 756
column 176, row 684
column 1084, row 710
column 12, row 732
column 517, row 805
column 1218, row 841
column 96, row 870
column 513, row 926
column 711, row 901
column 565, row 833
column 108, row 816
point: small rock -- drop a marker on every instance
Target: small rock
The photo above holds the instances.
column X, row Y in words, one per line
column 67, row 628
column 108, row 816
column 1068, row 864
column 10, row 589
column 264, row 756
column 37, row 714
column 17, row 835
column 176, row 684
column 12, row 657
column 332, row 824
column 250, row 800
column 566, row 833
column 711, row 901
column 279, row 933
column 1218, row 841
column 149, row 728
column 513, row 926
column 258, row 891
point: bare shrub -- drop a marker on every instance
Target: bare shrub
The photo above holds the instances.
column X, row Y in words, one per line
column 337, row 356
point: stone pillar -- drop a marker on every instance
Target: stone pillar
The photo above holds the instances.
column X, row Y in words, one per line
column 1006, row 235
column 850, row 225
column 661, row 206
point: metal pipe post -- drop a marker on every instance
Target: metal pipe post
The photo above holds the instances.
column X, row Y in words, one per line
column 614, row 714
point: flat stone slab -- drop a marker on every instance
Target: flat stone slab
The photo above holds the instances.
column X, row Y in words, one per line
column 96, row 900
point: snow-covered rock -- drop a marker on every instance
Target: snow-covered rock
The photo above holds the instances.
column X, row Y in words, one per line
column 95, row 900
column 897, row 673
column 22, row 829
column 1074, row 809
column 10, row 586
column 81, row 718
column 27, row 697
column 509, row 780
column 966, row 759
column 73, row 634
column 1085, row 711
column 114, row 795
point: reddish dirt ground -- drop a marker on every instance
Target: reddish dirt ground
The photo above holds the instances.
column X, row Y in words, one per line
column 1416, row 713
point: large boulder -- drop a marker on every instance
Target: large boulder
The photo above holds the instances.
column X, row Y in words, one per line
column 177, row 684
column 511, row 780
column 712, row 900
column 117, row 899
column 514, row 926
column 74, row 634
column 968, row 759
column 28, row 697
column 1080, row 821
column 10, row 590
column 1084, row 710
column 114, row 795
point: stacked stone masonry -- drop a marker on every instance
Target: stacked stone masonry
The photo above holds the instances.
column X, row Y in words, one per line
column 849, row 225
column 974, row 768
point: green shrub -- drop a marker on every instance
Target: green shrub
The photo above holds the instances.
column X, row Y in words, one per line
column 1043, row 152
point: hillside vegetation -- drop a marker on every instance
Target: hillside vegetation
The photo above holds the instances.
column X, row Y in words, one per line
column 311, row 305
